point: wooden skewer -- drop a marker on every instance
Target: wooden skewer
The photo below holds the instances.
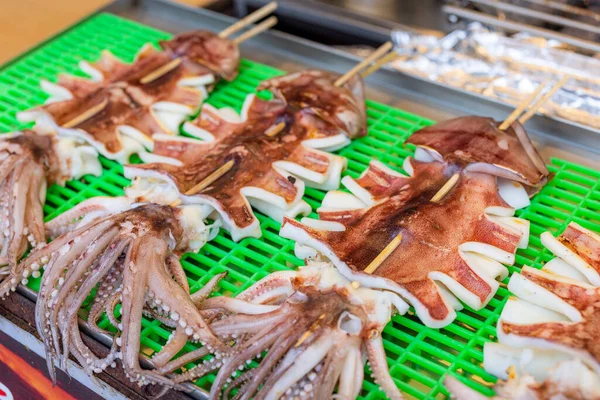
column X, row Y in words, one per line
column 303, row 338
column 314, row 326
column 263, row 26
column 385, row 253
column 388, row 58
column 384, row 48
column 89, row 113
column 445, row 189
column 547, row 96
column 176, row 203
column 160, row 71
column 249, row 19
column 275, row 129
column 524, row 104
column 222, row 170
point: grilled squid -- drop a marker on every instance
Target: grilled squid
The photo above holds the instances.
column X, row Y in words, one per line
column 570, row 380
column 262, row 158
column 296, row 334
column 115, row 253
column 554, row 318
column 29, row 163
column 442, row 232
column 121, row 106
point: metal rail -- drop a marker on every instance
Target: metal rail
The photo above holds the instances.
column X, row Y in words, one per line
column 519, row 27
column 514, row 9
column 566, row 8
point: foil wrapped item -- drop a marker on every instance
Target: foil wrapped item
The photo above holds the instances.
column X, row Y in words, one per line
column 507, row 68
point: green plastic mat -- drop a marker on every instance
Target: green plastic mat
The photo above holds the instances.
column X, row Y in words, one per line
column 419, row 357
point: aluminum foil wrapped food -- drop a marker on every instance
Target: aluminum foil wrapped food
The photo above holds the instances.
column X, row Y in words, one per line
column 505, row 68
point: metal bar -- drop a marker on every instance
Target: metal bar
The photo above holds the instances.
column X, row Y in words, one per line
column 519, row 27
column 514, row 9
column 334, row 18
column 567, row 8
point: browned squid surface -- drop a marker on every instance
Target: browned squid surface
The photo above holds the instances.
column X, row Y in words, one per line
column 312, row 92
column 432, row 232
column 28, row 164
column 580, row 336
column 478, row 142
column 307, row 107
column 126, row 93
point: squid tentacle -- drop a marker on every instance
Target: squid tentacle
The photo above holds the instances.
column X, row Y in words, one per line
column 108, row 290
column 240, row 382
column 28, row 163
column 244, row 356
column 75, row 301
column 199, row 296
column 378, row 363
column 313, row 342
column 129, row 257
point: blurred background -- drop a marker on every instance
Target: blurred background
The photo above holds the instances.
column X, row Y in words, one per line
column 500, row 49
column 24, row 23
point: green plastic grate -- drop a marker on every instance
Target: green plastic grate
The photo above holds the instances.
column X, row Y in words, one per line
column 419, row 357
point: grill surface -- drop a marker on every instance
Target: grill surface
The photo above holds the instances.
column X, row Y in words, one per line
column 418, row 356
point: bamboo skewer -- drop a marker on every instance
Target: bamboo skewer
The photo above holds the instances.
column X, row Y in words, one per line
column 219, row 172
column 249, row 19
column 547, row 96
column 384, row 48
column 313, row 327
column 263, row 26
column 522, row 106
column 385, row 253
column 275, row 130
column 388, row 58
column 87, row 114
column 450, row 183
column 160, row 71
